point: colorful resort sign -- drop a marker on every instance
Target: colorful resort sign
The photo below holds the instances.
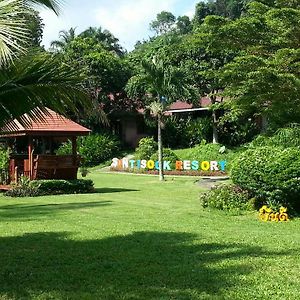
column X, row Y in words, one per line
column 179, row 165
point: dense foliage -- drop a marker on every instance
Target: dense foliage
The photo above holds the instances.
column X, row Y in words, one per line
column 4, row 163
column 94, row 149
column 284, row 137
column 186, row 132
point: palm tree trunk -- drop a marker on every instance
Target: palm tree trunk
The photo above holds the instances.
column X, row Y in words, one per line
column 160, row 150
column 214, row 122
column 215, row 130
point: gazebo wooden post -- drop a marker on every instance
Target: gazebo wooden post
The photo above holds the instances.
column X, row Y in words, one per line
column 30, row 148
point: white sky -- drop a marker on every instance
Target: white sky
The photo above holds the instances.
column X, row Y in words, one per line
column 128, row 20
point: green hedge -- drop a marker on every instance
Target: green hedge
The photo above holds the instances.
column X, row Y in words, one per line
column 51, row 187
column 272, row 174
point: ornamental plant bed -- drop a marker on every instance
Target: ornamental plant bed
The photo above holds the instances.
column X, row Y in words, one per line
column 172, row 172
column 36, row 188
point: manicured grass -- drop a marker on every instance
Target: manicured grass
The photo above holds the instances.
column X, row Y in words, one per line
column 140, row 239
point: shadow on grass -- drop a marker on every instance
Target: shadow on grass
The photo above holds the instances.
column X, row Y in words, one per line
column 143, row 265
column 113, row 190
column 21, row 211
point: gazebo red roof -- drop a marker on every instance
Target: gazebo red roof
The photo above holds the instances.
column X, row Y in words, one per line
column 50, row 124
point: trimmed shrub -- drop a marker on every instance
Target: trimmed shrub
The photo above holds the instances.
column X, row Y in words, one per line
column 147, row 147
column 272, row 174
column 226, row 197
column 94, row 149
column 51, row 187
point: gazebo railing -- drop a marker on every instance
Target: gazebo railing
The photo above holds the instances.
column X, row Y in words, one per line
column 55, row 167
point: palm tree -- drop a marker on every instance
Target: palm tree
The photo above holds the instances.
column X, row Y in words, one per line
column 161, row 84
column 35, row 80
column 157, row 110
column 65, row 37
column 14, row 32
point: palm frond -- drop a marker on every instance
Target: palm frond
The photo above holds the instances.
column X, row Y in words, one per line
column 156, row 108
column 57, row 44
column 54, row 5
column 14, row 31
column 37, row 81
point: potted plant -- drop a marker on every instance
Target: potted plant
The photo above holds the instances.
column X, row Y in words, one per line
column 84, row 171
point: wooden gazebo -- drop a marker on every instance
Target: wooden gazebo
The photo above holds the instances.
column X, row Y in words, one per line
column 46, row 130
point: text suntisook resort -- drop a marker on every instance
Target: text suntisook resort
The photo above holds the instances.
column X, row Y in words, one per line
column 194, row 165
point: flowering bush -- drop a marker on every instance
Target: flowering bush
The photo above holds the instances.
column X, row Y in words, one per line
column 226, row 197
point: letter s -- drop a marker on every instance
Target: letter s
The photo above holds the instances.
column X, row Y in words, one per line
column 114, row 162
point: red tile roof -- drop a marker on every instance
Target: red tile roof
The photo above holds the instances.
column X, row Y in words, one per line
column 180, row 105
column 203, row 102
column 51, row 123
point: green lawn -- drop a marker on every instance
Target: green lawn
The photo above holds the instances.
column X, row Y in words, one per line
column 140, row 239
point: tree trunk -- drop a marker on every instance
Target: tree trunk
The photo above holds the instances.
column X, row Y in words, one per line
column 214, row 122
column 264, row 124
column 160, row 150
column 215, row 130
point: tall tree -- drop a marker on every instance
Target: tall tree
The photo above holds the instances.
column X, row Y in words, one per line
column 36, row 26
column 203, row 59
column 105, row 38
column 163, row 22
column 232, row 9
column 266, row 73
column 183, row 25
column 106, row 75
